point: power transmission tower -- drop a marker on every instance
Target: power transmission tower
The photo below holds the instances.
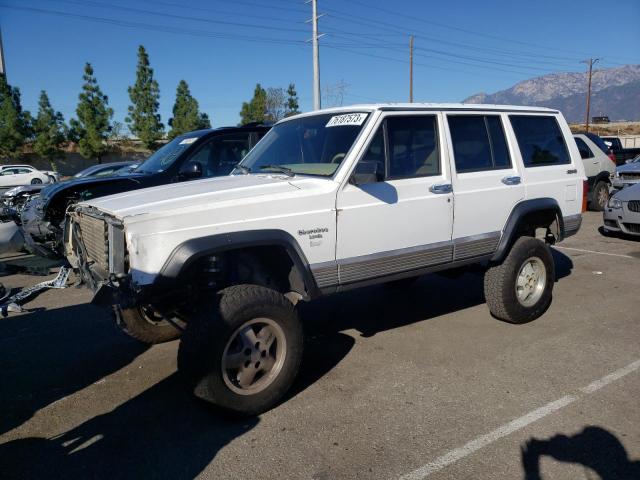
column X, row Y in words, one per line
column 316, row 55
column 2, row 68
column 591, row 62
column 411, row 69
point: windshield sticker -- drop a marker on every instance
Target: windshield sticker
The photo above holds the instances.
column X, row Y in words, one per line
column 348, row 119
column 188, row 141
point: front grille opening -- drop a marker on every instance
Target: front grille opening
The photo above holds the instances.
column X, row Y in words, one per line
column 632, row 227
column 611, row 223
column 634, row 205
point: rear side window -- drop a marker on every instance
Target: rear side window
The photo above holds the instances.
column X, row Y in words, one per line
column 540, row 140
column 478, row 143
column 583, row 148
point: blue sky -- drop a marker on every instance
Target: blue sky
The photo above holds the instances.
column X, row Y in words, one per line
column 222, row 48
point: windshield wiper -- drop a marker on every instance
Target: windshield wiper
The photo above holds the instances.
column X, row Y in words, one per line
column 246, row 170
column 279, row 168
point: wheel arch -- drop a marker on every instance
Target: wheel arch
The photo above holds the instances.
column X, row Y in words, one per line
column 278, row 242
column 534, row 213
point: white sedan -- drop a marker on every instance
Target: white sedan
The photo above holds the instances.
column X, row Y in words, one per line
column 23, row 175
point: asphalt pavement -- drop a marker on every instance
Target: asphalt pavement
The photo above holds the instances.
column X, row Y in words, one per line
column 415, row 383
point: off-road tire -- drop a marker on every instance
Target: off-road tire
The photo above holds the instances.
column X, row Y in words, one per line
column 600, row 190
column 500, row 282
column 209, row 331
column 137, row 326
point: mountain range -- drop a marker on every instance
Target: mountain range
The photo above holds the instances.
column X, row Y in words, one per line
column 615, row 92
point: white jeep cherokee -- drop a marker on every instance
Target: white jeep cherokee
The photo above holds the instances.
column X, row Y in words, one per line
column 329, row 201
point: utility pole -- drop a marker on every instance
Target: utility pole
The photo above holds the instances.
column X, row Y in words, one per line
column 2, row 68
column 411, row 69
column 316, row 56
column 591, row 62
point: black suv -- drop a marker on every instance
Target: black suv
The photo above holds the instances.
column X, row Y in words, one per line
column 199, row 154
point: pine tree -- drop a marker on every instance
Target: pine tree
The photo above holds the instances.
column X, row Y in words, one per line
column 92, row 127
column 186, row 116
column 255, row 110
column 14, row 123
column 292, row 101
column 50, row 130
column 144, row 119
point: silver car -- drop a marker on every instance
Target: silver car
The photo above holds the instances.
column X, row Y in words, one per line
column 627, row 174
column 623, row 212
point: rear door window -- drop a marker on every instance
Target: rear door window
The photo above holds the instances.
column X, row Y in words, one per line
column 583, row 148
column 478, row 143
column 540, row 140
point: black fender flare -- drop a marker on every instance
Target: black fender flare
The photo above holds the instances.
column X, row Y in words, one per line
column 193, row 249
column 517, row 214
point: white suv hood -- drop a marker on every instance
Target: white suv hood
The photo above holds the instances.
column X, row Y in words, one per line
column 177, row 196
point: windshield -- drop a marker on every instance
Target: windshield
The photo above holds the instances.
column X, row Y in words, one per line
column 314, row 145
column 164, row 157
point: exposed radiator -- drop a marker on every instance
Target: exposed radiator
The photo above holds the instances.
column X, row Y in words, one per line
column 95, row 240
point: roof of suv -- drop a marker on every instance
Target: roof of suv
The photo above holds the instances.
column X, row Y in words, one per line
column 370, row 107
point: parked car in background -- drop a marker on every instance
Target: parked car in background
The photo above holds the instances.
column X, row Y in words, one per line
column 598, row 167
column 54, row 176
column 105, row 169
column 627, row 174
column 13, row 200
column 622, row 214
column 622, row 154
column 199, row 154
column 23, row 175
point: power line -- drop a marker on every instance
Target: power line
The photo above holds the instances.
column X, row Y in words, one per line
column 158, row 28
column 181, row 17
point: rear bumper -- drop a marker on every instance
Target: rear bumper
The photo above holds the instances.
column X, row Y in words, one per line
column 572, row 224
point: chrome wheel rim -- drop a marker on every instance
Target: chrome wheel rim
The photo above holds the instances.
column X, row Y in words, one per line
column 603, row 197
column 254, row 356
column 531, row 281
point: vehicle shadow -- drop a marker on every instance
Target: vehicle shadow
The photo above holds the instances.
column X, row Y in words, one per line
column 376, row 309
column 49, row 354
column 594, row 448
column 619, row 235
column 162, row 433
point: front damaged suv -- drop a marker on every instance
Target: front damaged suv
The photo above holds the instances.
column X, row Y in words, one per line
column 325, row 202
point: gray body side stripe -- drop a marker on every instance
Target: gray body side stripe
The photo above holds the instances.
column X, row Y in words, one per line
column 354, row 269
column 572, row 224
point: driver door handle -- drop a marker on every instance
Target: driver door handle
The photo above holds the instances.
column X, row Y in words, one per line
column 515, row 180
column 441, row 188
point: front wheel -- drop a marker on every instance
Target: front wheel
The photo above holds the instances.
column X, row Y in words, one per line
column 242, row 351
column 36, row 181
column 519, row 289
column 144, row 323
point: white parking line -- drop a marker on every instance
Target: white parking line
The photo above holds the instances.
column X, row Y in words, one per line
column 593, row 251
column 515, row 425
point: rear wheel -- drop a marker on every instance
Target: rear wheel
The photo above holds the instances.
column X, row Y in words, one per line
column 242, row 351
column 600, row 196
column 519, row 289
column 144, row 323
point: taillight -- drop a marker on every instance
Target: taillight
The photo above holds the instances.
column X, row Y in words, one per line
column 612, row 157
column 585, row 192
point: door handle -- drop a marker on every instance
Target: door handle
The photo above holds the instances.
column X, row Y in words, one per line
column 572, row 171
column 511, row 180
column 441, row 188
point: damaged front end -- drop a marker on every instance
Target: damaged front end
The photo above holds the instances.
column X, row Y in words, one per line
column 95, row 247
column 41, row 236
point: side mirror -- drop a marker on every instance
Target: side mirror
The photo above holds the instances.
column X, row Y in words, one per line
column 367, row 172
column 191, row 170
